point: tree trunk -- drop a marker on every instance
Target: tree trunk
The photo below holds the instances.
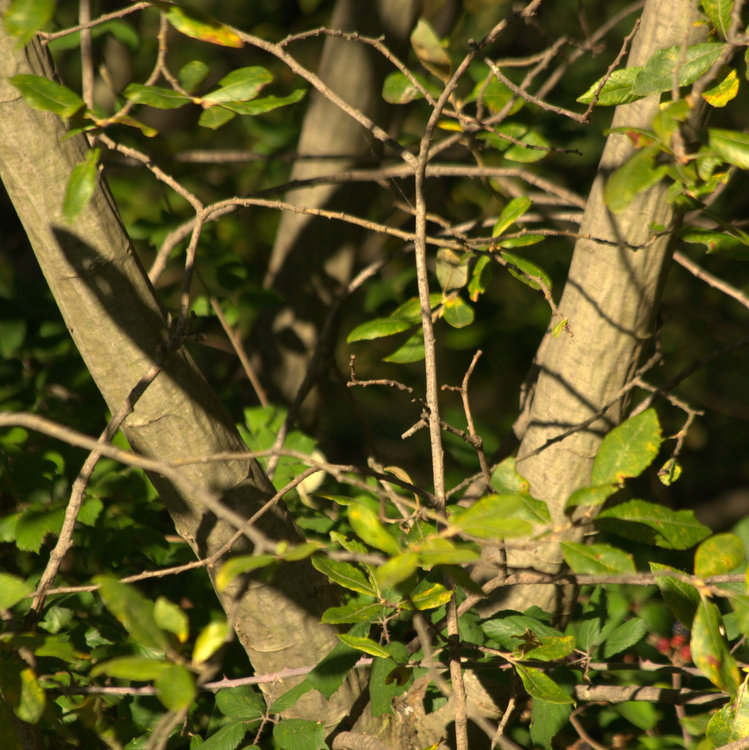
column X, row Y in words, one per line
column 119, row 328
column 611, row 298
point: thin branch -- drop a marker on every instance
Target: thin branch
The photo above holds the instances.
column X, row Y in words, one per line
column 700, row 273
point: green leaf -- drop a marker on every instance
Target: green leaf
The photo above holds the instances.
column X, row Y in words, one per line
column 50, row 96
column 242, row 702
column 81, row 185
column 670, row 472
column 495, row 95
column 624, row 636
column 724, row 241
column 541, row 687
column 710, row 651
column 155, row 96
column 240, row 85
column 266, row 104
column 133, row 610
column 171, row 618
column 510, row 214
column 397, row 569
column 546, row 721
column 492, row 517
column 597, row 559
column 628, row 449
column 209, row 640
column 411, row 351
column 731, row 723
column 525, row 271
column 505, row 628
column 21, row 690
column 229, row 737
column 635, row 176
column 215, row 117
column 361, row 610
column 378, row 328
column 617, row 89
column 431, row 598
column 681, row 597
column 25, row 17
column 480, row 277
column 202, row 27
column 428, row 49
column 435, row 550
column 368, row 528
column 593, row 496
column 192, row 74
column 367, row 645
column 451, row 269
column 299, row 734
column 730, row 145
column 12, row 590
column 654, row 524
column 344, row 574
column 389, row 678
column 551, row 648
column 285, row 701
column 239, row 565
column 175, row 687
column 330, row 672
column 657, row 74
column 138, row 668
column 719, row 13
column 506, row 480
column 457, row 312
column 398, row 89
column 721, row 553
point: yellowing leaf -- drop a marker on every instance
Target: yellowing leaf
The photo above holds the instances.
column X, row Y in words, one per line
column 202, row 27
column 727, row 89
column 209, row 640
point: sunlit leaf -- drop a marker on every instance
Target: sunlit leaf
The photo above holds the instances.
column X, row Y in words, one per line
column 723, row 92
column 344, row 574
column 480, row 277
column 239, row 565
column 624, row 636
column 378, row 328
column 457, row 312
column 81, row 185
column 41, row 93
column 719, row 554
column 412, row 350
column 597, row 559
column 172, row 618
column 710, row 651
column 551, row 648
column 526, row 271
column 155, row 96
column 398, row 88
column 398, row 568
column 429, row 50
column 175, row 687
column 361, row 610
column 240, row 85
column 25, row 17
column 12, row 590
column 369, row 529
column 628, row 449
column 731, row 145
column 299, row 734
column 435, row 596
column 658, row 72
column 617, row 89
column 730, row 723
column 681, row 597
column 541, row 687
column 138, row 668
column 202, row 27
column 636, row 175
column 593, row 496
column 209, row 640
column 510, row 214
column 451, row 269
column 367, row 645
column 719, row 13
column 506, row 480
column 266, row 103
column 493, row 517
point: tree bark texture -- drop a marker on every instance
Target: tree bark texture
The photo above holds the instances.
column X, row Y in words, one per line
column 610, row 298
column 313, row 258
column 119, row 328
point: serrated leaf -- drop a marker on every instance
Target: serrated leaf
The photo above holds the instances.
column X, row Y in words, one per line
column 429, row 50
column 239, row 565
column 457, row 312
column 635, row 176
column 398, row 88
column 451, row 269
column 546, row 721
column 175, row 687
column 192, row 74
column 12, row 590
column 344, row 574
column 719, row 554
column 25, row 17
column 654, row 524
column 133, row 610
column 617, row 89
column 378, row 328
column 81, row 185
column 541, row 687
column 628, row 449
column 412, row 350
column 510, row 214
column 493, row 517
column 240, row 703
column 597, row 559
column 369, row 529
column 138, row 668
column 155, row 96
column 209, row 640
column 525, row 271
column 240, row 85
column 593, row 496
column 731, row 145
column 229, row 737
column 710, row 651
column 506, row 480
column 171, row 618
column 724, row 92
column 367, row 645
column 50, row 96
column 624, row 636
column 681, row 597
column 203, row 28
column 299, row 734
column 657, row 74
